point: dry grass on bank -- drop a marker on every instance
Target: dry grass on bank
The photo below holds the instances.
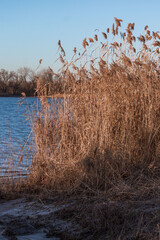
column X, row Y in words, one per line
column 103, row 137
column 109, row 127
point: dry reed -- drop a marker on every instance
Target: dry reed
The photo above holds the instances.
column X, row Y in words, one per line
column 101, row 137
column 108, row 122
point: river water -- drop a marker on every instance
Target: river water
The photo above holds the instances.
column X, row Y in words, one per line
column 15, row 135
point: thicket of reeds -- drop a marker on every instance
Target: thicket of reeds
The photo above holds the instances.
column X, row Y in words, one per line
column 106, row 127
column 100, row 136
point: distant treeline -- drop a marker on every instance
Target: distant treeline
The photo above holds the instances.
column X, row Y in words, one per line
column 25, row 81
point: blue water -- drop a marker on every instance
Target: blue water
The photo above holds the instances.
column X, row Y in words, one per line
column 16, row 134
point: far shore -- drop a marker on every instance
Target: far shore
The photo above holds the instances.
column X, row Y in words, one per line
column 57, row 95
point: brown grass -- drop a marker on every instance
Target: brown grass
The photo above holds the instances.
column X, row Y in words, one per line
column 103, row 137
column 108, row 122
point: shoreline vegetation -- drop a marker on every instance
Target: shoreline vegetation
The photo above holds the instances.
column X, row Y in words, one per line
column 99, row 150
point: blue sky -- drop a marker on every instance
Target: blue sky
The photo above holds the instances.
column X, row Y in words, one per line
column 30, row 29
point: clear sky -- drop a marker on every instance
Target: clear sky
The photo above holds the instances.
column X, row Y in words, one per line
column 30, row 29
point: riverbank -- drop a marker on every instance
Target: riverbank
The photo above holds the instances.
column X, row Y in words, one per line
column 97, row 155
column 26, row 218
column 130, row 209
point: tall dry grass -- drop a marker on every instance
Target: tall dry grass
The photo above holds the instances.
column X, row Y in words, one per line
column 106, row 126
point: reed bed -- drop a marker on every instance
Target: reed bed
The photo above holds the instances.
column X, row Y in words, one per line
column 106, row 127
column 97, row 140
